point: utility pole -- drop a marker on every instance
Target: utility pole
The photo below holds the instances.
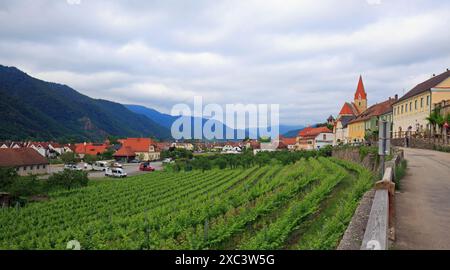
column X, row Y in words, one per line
column 384, row 142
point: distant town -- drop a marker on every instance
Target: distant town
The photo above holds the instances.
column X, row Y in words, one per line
column 414, row 115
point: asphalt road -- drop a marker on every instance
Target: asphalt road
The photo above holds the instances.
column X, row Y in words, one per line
column 423, row 205
column 130, row 168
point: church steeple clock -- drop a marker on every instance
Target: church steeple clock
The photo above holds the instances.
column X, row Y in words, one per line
column 360, row 96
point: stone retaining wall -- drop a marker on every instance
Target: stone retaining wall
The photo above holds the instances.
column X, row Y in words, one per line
column 370, row 161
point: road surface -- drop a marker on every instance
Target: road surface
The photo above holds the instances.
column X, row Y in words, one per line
column 130, row 168
column 423, row 204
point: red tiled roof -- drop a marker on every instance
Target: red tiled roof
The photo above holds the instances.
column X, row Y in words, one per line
column 288, row 141
column 313, row 132
column 360, row 91
column 125, row 151
column 134, row 145
column 20, row 157
column 426, row 85
column 375, row 110
column 346, row 109
column 90, row 148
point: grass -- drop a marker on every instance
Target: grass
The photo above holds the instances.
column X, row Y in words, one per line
column 400, row 172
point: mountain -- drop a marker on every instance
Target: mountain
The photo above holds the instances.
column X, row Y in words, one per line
column 166, row 120
column 162, row 119
column 292, row 131
column 39, row 110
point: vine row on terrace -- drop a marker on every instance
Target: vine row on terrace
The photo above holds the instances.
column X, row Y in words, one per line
column 306, row 205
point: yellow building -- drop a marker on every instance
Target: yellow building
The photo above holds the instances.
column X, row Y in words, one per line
column 411, row 110
column 356, row 131
column 367, row 121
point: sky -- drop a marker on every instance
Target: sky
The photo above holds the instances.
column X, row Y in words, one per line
column 305, row 55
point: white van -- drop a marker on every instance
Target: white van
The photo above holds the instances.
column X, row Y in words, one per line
column 115, row 172
column 100, row 166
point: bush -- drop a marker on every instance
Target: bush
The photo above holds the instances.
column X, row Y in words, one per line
column 7, row 178
column 26, row 186
column 68, row 157
column 400, row 172
column 19, row 186
column 68, row 179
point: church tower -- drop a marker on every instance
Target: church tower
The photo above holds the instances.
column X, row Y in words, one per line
column 360, row 96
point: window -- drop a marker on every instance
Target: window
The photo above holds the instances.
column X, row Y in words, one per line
column 44, row 166
column 410, row 106
column 415, row 105
column 38, row 167
column 324, row 137
column 406, row 107
column 421, row 102
column 402, row 108
column 428, row 100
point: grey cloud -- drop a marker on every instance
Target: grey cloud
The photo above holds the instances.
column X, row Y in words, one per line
column 304, row 55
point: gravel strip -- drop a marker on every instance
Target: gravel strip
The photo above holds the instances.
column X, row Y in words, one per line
column 354, row 234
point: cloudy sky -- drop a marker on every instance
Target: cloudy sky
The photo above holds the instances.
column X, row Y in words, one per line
column 305, row 55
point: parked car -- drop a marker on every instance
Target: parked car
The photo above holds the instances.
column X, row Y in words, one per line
column 72, row 167
column 100, row 166
column 146, row 167
column 115, row 172
column 135, row 161
column 116, row 165
column 167, row 160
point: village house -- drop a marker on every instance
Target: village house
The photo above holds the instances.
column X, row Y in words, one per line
column 314, row 138
column 41, row 147
column 287, row 143
column 412, row 109
column 366, row 124
column 143, row 149
column 93, row 149
column 179, row 145
column 348, row 112
column 252, row 144
column 14, row 145
column 232, row 148
column 25, row 160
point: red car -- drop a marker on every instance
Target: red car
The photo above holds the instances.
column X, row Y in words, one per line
column 146, row 167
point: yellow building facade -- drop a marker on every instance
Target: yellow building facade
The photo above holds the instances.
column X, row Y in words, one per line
column 411, row 111
column 356, row 131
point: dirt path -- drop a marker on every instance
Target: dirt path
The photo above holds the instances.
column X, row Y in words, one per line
column 423, row 205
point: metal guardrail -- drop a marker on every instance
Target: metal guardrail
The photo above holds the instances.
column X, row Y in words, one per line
column 376, row 236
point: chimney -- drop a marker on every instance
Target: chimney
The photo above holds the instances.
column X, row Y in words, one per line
column 434, row 75
column 396, row 96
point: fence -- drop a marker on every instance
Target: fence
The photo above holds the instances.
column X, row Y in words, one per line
column 380, row 226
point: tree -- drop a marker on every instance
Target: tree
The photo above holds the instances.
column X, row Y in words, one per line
column 90, row 159
column 220, row 162
column 68, row 157
column 26, row 186
column 108, row 154
column 433, row 119
column 68, row 179
column 7, row 178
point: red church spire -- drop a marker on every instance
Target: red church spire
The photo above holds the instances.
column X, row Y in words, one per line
column 360, row 91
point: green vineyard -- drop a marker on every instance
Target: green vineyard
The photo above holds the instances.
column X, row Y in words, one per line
column 306, row 205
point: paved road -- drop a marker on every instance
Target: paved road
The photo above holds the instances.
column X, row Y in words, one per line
column 130, row 168
column 423, row 205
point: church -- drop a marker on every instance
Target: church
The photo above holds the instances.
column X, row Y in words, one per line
column 348, row 113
